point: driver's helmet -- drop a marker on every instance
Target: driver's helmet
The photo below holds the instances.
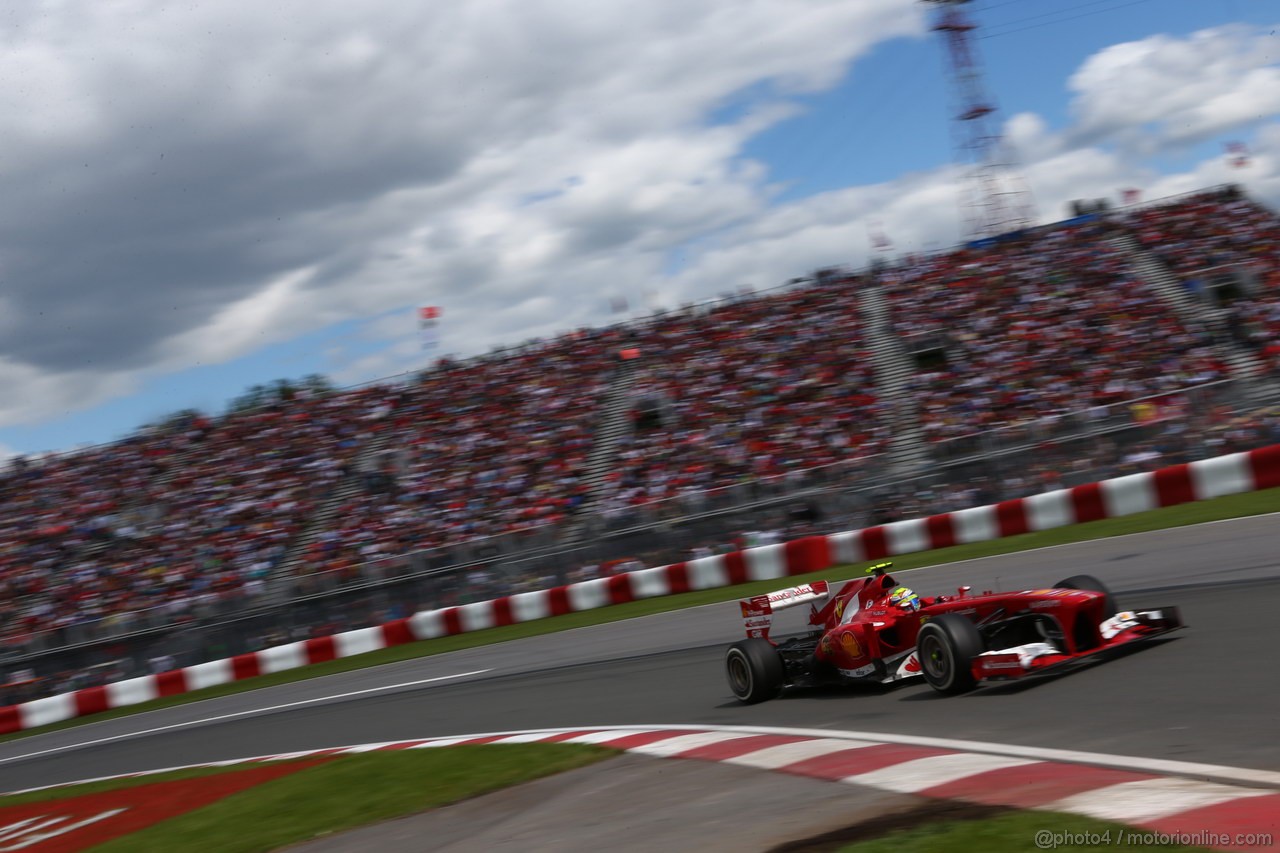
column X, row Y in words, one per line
column 904, row 598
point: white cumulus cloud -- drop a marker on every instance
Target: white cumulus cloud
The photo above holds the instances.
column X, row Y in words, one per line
column 1166, row 90
column 203, row 181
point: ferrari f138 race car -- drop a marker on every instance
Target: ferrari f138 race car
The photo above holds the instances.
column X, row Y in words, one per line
column 875, row 631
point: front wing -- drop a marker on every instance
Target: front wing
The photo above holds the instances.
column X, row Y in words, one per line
column 1125, row 629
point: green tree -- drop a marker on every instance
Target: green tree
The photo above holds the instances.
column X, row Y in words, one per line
column 283, row 390
column 176, row 420
column 317, row 384
column 254, row 398
column 280, row 391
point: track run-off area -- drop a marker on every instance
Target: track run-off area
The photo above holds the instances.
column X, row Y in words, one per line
column 1208, row 694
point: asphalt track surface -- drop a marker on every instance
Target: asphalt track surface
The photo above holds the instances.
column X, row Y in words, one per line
column 1211, row 693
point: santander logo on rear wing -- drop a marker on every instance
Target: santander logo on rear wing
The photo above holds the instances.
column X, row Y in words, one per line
column 757, row 611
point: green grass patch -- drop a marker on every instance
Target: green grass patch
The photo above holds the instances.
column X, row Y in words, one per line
column 1232, row 506
column 350, row 792
column 1018, row 832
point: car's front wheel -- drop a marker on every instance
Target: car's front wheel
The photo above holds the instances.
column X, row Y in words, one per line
column 946, row 647
column 754, row 669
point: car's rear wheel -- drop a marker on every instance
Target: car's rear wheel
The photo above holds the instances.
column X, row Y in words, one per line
column 755, row 670
column 946, row 647
column 1091, row 584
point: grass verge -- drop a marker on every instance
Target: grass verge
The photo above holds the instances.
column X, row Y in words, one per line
column 1218, row 509
column 342, row 794
column 1017, row 832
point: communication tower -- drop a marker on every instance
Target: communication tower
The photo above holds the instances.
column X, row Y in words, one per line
column 995, row 196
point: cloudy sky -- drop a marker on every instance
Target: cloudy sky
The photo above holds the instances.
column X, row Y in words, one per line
column 199, row 197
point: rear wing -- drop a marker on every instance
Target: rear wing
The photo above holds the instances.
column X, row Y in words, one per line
column 757, row 611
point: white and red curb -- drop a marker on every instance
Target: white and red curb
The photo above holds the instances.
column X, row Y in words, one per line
column 1230, row 808
column 1177, row 484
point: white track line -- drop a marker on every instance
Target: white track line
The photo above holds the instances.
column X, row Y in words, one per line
column 976, row 756
column 252, row 712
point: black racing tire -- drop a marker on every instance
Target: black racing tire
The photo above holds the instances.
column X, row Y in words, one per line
column 1091, row 584
column 755, row 670
column 946, row 647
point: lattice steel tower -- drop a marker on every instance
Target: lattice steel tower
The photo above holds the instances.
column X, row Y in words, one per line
column 995, row 196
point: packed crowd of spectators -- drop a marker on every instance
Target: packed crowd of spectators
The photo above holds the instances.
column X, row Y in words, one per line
column 1036, row 327
column 1207, row 230
column 1227, row 232
column 750, row 390
column 197, row 512
column 494, row 447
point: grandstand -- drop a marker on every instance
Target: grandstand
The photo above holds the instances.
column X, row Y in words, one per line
column 1040, row 326
column 1223, row 250
column 1105, row 344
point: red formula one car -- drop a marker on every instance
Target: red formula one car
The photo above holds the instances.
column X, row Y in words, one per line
column 876, row 631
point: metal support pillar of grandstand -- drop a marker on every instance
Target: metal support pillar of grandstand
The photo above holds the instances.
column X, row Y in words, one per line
column 996, row 198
